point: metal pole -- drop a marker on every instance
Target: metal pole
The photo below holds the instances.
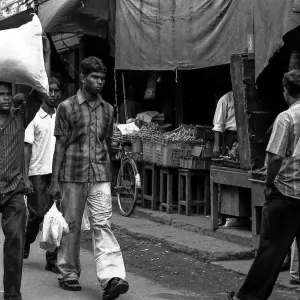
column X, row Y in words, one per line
column 116, row 96
column 124, row 96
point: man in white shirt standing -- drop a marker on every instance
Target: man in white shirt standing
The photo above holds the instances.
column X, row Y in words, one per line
column 39, row 150
column 225, row 136
column 224, row 125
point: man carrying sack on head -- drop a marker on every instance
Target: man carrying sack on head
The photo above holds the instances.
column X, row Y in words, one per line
column 12, row 178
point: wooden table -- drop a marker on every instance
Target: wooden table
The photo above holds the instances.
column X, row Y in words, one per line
column 225, row 176
column 237, row 178
column 257, row 202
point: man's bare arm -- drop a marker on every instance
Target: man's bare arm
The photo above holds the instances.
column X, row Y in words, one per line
column 58, row 157
column 27, row 158
column 47, row 54
column 274, row 165
column 217, row 144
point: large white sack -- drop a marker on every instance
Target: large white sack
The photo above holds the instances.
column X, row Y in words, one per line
column 21, row 56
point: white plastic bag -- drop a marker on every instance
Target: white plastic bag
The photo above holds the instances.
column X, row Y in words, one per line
column 21, row 56
column 54, row 227
column 85, row 225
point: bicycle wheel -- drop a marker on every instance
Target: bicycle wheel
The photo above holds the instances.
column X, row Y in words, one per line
column 126, row 189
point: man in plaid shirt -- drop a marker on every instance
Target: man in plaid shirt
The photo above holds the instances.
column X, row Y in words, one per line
column 81, row 170
column 280, row 216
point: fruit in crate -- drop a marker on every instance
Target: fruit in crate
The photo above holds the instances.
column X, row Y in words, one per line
column 187, row 133
column 150, row 130
column 233, row 153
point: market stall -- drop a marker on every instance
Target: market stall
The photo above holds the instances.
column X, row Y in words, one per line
column 168, row 49
column 175, row 164
column 258, row 96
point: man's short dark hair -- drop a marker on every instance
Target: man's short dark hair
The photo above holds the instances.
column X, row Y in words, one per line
column 291, row 82
column 54, row 80
column 7, row 84
column 92, row 64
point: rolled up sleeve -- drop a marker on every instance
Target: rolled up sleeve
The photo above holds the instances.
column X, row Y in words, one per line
column 278, row 143
column 220, row 115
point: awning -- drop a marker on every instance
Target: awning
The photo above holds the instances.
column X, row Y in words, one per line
column 89, row 17
column 183, row 34
column 273, row 19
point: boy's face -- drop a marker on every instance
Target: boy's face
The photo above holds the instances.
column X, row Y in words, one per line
column 54, row 95
column 5, row 98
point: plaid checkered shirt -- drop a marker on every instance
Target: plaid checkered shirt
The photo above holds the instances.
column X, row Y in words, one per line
column 284, row 138
column 87, row 130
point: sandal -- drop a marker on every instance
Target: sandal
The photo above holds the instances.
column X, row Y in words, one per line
column 232, row 296
column 70, row 285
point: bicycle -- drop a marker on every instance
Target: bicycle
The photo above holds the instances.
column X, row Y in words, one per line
column 128, row 181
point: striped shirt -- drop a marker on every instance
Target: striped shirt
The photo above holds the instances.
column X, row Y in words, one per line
column 87, row 130
column 283, row 141
column 12, row 150
column 12, row 144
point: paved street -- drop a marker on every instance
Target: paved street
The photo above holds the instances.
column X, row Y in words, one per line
column 154, row 272
column 40, row 284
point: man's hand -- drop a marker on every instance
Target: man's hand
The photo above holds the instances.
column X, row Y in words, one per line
column 268, row 190
column 216, row 151
column 18, row 99
column 28, row 186
column 54, row 189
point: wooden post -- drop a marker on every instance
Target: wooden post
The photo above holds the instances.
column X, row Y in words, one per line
column 124, row 97
column 251, row 119
column 178, row 100
column 214, row 205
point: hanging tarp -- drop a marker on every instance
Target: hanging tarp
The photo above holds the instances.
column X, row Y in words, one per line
column 272, row 20
column 75, row 16
column 184, row 34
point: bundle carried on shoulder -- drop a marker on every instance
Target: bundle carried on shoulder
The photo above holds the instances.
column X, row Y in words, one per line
column 21, row 56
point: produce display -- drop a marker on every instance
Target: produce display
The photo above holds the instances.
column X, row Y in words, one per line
column 233, row 153
column 150, row 131
column 259, row 174
column 182, row 133
column 185, row 146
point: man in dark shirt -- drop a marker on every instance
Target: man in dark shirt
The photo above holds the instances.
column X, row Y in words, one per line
column 81, row 165
column 12, row 204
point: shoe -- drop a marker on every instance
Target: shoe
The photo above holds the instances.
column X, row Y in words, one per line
column 221, row 222
column 286, row 263
column 232, row 222
column 294, row 282
column 231, row 296
column 115, row 288
column 70, row 285
column 26, row 250
column 52, row 268
column 16, row 296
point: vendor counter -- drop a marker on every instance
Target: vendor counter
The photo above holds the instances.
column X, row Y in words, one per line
column 240, row 195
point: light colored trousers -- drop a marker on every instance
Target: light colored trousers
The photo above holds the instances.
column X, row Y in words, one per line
column 294, row 270
column 107, row 252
